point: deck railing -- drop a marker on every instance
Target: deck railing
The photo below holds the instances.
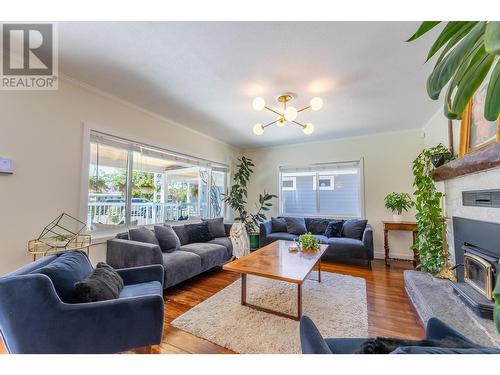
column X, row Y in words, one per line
column 141, row 213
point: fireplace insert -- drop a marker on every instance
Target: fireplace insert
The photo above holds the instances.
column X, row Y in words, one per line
column 477, row 252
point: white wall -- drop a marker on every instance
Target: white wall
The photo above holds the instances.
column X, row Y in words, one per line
column 436, row 131
column 42, row 132
column 387, row 168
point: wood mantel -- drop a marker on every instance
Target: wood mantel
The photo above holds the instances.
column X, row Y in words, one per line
column 487, row 158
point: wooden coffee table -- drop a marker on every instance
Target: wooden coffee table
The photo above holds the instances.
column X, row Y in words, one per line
column 274, row 261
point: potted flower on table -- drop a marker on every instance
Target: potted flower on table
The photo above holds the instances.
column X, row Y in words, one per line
column 398, row 203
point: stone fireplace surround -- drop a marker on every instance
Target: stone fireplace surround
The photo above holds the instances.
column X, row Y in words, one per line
column 433, row 297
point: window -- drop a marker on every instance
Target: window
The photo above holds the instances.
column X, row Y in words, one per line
column 333, row 189
column 288, row 183
column 132, row 184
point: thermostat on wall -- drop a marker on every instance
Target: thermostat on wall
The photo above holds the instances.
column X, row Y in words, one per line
column 6, row 166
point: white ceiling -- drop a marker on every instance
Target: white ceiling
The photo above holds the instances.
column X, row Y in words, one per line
column 205, row 74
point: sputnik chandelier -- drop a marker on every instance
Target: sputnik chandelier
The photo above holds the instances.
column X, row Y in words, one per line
column 288, row 114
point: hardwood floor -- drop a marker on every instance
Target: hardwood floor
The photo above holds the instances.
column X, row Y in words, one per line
column 389, row 310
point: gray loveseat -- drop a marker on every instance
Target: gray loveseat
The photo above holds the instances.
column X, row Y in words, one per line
column 340, row 249
column 179, row 265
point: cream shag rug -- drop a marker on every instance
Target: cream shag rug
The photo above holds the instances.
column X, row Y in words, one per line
column 337, row 306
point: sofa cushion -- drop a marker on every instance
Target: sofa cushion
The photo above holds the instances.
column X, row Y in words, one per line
column 66, row 270
column 226, row 242
column 198, row 232
column 344, row 345
column 142, row 289
column 216, row 227
column 344, row 248
column 101, row 285
column 334, row 228
column 179, row 266
column 354, row 228
column 315, row 225
column 142, row 234
column 181, row 232
column 439, row 350
column 167, row 238
column 283, row 236
column 321, row 239
column 211, row 254
column 295, row 225
column 278, row 224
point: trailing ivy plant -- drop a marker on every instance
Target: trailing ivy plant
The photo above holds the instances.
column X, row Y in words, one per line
column 469, row 53
column 237, row 195
column 429, row 242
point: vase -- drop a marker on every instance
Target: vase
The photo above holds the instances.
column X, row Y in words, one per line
column 397, row 218
column 440, row 159
column 254, row 241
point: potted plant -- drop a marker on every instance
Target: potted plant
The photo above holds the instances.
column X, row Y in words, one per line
column 397, row 203
column 308, row 242
column 496, row 311
column 236, row 199
column 439, row 155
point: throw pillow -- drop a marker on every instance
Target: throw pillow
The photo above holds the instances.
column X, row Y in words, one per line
column 278, row 224
column 354, row 228
column 167, row 238
column 198, row 232
column 295, row 225
column 181, row 232
column 216, row 227
column 65, row 271
column 103, row 284
column 142, row 234
column 316, row 225
column 334, row 228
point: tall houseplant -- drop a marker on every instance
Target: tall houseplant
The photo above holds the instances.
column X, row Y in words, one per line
column 236, row 199
column 429, row 242
column 469, row 53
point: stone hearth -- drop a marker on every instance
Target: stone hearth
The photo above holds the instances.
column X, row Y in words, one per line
column 434, row 297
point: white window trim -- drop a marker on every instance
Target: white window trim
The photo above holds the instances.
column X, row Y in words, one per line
column 361, row 174
column 87, row 128
column 289, row 178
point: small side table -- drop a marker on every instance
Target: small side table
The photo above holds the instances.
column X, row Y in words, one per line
column 408, row 226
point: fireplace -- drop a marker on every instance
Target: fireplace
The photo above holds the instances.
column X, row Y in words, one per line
column 477, row 252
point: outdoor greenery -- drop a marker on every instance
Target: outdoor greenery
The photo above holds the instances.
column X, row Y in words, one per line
column 429, row 242
column 143, row 183
column 398, row 202
column 237, row 195
column 469, row 53
column 308, row 241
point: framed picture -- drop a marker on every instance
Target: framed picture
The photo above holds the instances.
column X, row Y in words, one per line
column 475, row 131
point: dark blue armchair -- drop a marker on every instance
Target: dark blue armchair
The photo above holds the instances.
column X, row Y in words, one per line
column 313, row 343
column 36, row 316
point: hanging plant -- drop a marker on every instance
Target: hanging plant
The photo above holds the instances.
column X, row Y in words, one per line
column 429, row 241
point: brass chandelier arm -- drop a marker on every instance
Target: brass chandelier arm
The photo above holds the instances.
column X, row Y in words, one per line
column 298, row 123
column 272, row 110
column 265, row 126
column 303, row 109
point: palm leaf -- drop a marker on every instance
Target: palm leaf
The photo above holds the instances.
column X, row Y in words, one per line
column 450, row 30
column 492, row 104
column 446, row 68
column 455, row 39
column 423, row 28
column 473, row 78
column 492, row 37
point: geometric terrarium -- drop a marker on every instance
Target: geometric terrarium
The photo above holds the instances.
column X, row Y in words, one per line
column 61, row 235
column 61, row 231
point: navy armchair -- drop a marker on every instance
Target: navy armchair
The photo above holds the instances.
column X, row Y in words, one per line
column 34, row 318
column 313, row 343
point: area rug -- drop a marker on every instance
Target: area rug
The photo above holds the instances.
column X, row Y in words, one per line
column 337, row 306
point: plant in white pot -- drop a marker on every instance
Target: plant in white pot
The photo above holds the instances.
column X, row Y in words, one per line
column 398, row 203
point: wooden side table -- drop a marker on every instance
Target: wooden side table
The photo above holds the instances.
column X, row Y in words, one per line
column 408, row 226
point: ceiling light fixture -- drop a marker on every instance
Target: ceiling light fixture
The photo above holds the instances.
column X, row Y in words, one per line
column 287, row 114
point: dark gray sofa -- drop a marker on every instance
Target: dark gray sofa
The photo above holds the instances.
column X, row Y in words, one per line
column 340, row 249
column 180, row 265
